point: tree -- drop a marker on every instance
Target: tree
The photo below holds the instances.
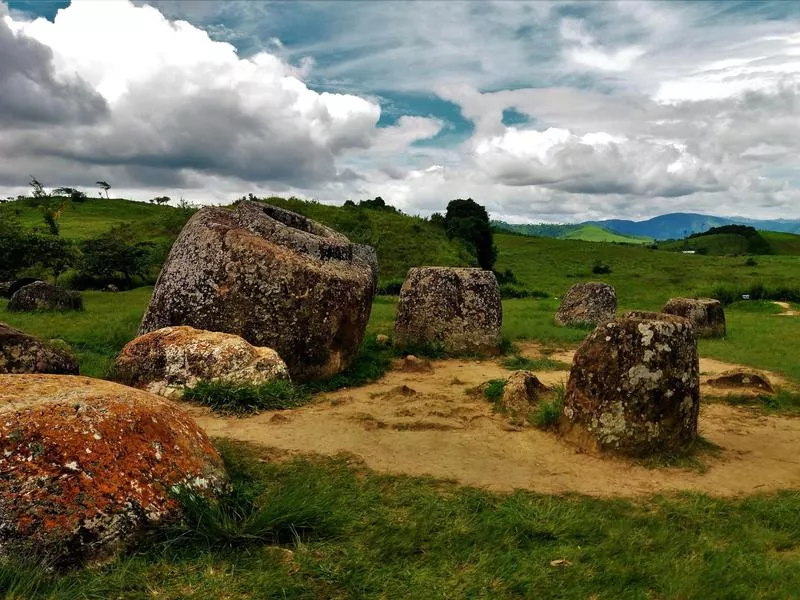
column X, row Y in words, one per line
column 467, row 220
column 116, row 253
column 160, row 200
column 105, row 186
column 71, row 193
column 38, row 189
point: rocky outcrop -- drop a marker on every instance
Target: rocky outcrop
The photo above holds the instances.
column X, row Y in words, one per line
column 41, row 295
column 23, row 353
column 273, row 277
column 742, row 379
column 456, row 309
column 89, row 466
column 166, row 361
column 706, row 314
column 634, row 388
column 520, row 396
column 591, row 302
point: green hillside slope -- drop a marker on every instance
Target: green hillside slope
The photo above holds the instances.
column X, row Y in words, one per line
column 88, row 219
column 593, row 233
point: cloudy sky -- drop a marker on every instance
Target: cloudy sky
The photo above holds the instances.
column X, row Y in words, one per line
column 559, row 111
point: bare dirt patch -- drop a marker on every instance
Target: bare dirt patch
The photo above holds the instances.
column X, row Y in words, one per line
column 787, row 310
column 440, row 429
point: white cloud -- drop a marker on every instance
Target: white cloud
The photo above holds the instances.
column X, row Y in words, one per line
column 635, row 109
column 182, row 102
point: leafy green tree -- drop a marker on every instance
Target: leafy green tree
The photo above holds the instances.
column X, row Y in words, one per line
column 160, row 200
column 114, row 254
column 467, row 220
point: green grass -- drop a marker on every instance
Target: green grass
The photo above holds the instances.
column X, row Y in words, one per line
column 493, row 391
column 85, row 220
column 593, row 233
column 237, row 398
column 644, row 278
column 380, row 536
column 548, row 410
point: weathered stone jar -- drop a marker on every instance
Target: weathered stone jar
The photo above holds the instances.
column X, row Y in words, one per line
column 634, row 388
column 273, row 277
column 457, row 308
column 706, row 314
column 591, row 302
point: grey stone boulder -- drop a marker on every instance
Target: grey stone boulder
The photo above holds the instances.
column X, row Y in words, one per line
column 41, row 295
column 166, row 361
column 706, row 314
column 273, row 277
column 458, row 309
column 634, row 388
column 23, row 353
column 591, row 302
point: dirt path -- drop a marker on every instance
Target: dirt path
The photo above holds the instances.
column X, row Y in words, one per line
column 434, row 427
column 787, row 310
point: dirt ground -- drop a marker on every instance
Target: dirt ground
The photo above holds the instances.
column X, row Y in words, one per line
column 787, row 310
column 429, row 424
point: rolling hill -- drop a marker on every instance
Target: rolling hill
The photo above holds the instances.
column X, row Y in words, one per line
column 585, row 232
column 679, row 225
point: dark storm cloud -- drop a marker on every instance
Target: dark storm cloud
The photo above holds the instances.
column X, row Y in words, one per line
column 30, row 94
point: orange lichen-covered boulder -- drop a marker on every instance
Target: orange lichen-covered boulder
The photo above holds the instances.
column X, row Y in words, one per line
column 166, row 361
column 89, row 465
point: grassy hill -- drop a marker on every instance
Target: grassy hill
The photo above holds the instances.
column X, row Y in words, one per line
column 94, row 216
column 728, row 241
column 593, row 233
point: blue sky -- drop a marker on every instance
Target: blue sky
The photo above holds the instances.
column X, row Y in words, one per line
column 542, row 111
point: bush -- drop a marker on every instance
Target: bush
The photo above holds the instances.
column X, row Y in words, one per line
column 548, row 413
column 113, row 255
column 390, row 287
column 600, row 268
column 494, row 389
column 513, row 291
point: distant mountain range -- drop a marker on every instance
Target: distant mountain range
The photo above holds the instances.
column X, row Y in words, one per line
column 664, row 227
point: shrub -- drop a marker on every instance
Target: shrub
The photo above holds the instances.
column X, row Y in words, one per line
column 390, row 287
column 513, row 291
column 494, row 389
column 548, row 413
column 115, row 254
column 600, row 268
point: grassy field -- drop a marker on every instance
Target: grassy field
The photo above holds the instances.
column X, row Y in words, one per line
column 366, row 535
column 643, row 278
column 593, row 233
column 316, row 527
column 109, row 321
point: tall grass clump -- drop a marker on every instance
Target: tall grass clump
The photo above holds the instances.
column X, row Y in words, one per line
column 229, row 397
column 548, row 411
